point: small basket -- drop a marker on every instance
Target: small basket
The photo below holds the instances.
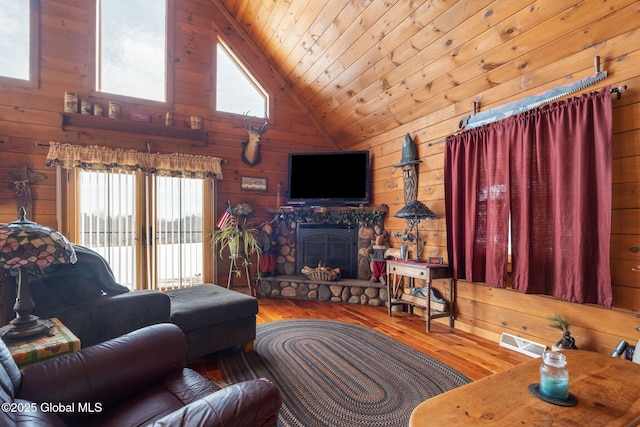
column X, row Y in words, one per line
column 321, row 273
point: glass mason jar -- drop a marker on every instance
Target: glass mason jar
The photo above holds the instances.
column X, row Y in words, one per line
column 554, row 377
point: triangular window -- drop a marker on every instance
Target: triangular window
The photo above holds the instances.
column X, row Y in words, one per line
column 237, row 91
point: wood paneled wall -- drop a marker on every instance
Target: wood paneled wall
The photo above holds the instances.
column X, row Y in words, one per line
column 367, row 93
column 30, row 117
column 501, row 73
column 372, row 72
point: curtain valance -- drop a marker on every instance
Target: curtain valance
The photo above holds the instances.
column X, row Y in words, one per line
column 95, row 157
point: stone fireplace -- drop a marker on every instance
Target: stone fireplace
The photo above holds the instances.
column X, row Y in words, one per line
column 339, row 236
column 336, row 235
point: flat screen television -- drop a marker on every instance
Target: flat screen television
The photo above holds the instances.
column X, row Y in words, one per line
column 329, row 178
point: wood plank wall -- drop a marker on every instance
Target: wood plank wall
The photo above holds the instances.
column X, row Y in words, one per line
column 556, row 48
column 559, row 50
column 374, row 71
column 31, row 117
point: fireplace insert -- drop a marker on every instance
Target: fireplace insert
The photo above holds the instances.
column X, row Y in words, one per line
column 335, row 244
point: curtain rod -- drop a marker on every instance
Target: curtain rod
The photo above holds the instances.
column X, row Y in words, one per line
column 618, row 91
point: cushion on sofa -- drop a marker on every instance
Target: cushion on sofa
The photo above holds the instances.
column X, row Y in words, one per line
column 206, row 305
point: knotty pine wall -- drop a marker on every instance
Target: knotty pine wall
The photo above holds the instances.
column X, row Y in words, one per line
column 507, row 72
column 30, row 116
column 555, row 52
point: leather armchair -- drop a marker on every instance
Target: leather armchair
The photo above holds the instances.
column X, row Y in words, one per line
column 137, row 379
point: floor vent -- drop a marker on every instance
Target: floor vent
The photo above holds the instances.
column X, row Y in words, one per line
column 521, row 345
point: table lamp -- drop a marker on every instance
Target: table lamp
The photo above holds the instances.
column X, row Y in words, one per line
column 414, row 212
column 29, row 247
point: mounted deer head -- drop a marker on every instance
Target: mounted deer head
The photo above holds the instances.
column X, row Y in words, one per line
column 251, row 148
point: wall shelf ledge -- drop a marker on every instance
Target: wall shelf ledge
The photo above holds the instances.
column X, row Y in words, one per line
column 72, row 121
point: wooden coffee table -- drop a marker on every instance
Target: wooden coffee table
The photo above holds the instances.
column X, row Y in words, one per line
column 607, row 390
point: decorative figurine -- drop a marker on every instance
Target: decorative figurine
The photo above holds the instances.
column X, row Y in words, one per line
column 378, row 258
column 21, row 183
column 408, row 164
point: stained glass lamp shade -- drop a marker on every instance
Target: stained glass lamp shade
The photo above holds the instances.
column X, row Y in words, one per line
column 29, row 247
column 414, row 212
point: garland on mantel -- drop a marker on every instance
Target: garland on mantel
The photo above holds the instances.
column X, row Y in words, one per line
column 348, row 217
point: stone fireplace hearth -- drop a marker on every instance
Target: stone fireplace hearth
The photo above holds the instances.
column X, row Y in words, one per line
column 338, row 234
column 350, row 291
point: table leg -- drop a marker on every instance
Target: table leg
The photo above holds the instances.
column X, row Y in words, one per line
column 452, row 298
column 427, row 309
column 246, row 271
column 393, row 291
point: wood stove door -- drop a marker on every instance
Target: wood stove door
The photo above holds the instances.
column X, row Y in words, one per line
column 336, row 245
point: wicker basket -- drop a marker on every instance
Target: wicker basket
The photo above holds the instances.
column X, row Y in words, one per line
column 321, row 273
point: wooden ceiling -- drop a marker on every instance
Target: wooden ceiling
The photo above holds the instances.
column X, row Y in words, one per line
column 363, row 67
column 357, row 64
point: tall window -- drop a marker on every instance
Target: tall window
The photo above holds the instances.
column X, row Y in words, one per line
column 108, row 221
column 150, row 229
column 178, row 237
column 131, row 48
column 236, row 90
column 19, row 33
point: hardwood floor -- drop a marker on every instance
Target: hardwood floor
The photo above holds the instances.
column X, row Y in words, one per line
column 474, row 356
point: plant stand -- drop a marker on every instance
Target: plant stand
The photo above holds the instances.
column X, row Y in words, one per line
column 235, row 266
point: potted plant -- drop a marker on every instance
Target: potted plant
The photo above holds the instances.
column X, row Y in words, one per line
column 240, row 237
column 567, row 342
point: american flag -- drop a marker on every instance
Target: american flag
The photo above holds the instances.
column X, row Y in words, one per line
column 226, row 219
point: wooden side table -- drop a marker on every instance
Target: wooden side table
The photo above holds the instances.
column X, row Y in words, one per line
column 412, row 270
column 59, row 341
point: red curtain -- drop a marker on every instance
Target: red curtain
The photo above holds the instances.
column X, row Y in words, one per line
column 547, row 174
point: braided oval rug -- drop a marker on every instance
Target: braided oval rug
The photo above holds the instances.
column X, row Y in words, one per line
column 334, row 373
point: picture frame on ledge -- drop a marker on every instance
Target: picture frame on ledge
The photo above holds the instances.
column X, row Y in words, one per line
column 252, row 183
column 435, row 260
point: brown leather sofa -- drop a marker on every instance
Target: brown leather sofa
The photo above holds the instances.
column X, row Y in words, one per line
column 137, row 379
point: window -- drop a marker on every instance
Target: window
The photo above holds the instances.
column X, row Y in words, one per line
column 131, row 48
column 179, row 234
column 236, row 90
column 150, row 229
column 19, row 34
column 107, row 220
